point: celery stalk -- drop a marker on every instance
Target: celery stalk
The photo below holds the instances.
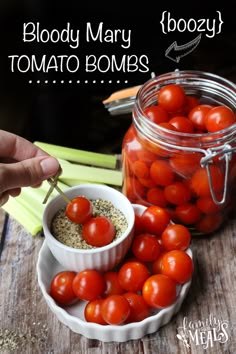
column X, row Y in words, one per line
column 32, row 203
column 76, row 182
column 79, row 156
column 90, row 174
column 28, row 209
column 24, row 216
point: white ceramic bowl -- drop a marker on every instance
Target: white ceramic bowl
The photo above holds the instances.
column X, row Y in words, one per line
column 100, row 258
column 73, row 316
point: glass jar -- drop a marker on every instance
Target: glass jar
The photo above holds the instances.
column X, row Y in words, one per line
column 192, row 175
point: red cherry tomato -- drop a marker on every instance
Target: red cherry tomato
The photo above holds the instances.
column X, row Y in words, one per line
column 188, row 213
column 115, row 309
column 161, row 173
column 88, row 285
column 138, row 226
column 159, row 291
column 200, row 183
column 112, row 284
column 209, row 223
column 98, row 231
column 61, row 289
column 191, row 102
column 219, row 118
column 145, row 155
column 79, row 210
column 182, row 124
column 175, row 236
column 92, row 312
column 177, row 193
column 139, row 309
column 177, row 265
column 185, row 164
column 133, row 189
column 156, row 196
column 155, row 219
column 129, row 135
column 172, row 98
column 198, row 116
column 147, row 182
column 156, row 266
column 146, row 248
column 156, row 114
column 168, row 126
column 132, row 275
column 207, row 205
column 140, row 169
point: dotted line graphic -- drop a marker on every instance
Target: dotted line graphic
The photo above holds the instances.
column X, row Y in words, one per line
column 47, row 82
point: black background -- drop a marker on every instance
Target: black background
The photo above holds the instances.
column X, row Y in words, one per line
column 73, row 114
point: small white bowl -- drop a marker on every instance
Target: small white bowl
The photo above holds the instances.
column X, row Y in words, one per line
column 100, row 258
column 73, row 316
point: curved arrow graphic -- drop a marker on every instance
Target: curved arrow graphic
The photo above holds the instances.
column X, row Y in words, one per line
column 176, row 52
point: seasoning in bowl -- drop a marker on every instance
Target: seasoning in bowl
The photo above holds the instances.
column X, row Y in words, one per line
column 70, row 233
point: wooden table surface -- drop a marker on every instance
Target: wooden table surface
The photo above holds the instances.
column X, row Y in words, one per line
column 28, row 326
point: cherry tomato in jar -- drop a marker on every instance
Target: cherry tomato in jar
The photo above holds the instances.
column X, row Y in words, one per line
column 168, row 126
column 146, row 155
column 219, row 118
column 200, row 182
column 92, row 312
column 182, row 124
column 177, row 265
column 207, row 205
column 147, row 182
column 159, row 291
column 188, row 214
column 140, row 169
column 191, row 102
column 177, row 193
column 132, row 274
column 79, row 210
column 98, row 231
column 198, row 116
column 156, row 114
column 146, row 247
column 115, row 309
column 61, row 289
column 88, row 285
column 185, row 164
column 209, row 223
column 171, row 97
column 155, row 219
column 133, row 188
column 175, row 236
column 161, row 173
column 156, row 196
column 139, row 309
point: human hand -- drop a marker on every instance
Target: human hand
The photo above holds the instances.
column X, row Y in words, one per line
column 22, row 164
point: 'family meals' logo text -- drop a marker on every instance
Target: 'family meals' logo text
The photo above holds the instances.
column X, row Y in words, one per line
column 203, row 332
